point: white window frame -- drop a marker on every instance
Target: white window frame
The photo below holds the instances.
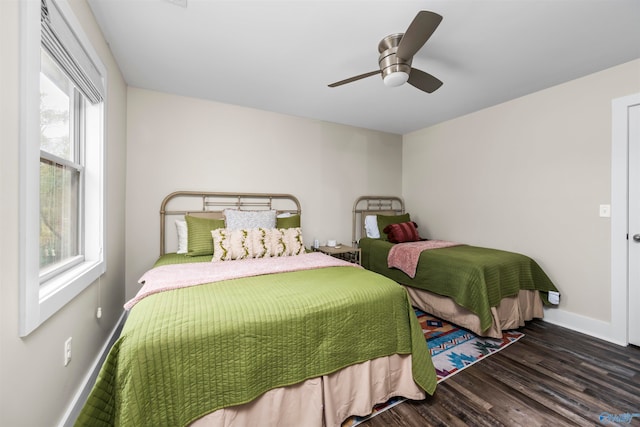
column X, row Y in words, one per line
column 39, row 302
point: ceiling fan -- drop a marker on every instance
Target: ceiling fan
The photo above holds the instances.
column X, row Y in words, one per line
column 397, row 51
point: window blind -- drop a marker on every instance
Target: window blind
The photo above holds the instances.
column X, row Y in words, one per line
column 63, row 46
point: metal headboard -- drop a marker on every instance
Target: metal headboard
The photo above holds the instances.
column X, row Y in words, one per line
column 212, row 205
column 373, row 205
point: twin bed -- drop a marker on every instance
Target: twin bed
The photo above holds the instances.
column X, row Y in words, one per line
column 483, row 290
column 237, row 324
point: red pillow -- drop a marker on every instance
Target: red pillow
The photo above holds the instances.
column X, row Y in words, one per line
column 402, row 232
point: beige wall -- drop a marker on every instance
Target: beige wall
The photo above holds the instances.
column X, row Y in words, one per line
column 528, row 176
column 35, row 387
column 177, row 143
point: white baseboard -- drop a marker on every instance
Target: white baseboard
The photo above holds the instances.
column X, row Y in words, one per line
column 586, row 325
column 73, row 410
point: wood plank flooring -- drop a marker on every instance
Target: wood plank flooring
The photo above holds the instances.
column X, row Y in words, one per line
column 551, row 377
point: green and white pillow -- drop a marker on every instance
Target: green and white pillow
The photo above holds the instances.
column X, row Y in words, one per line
column 292, row 241
column 256, row 243
column 231, row 244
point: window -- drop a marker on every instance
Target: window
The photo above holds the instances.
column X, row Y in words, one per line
column 61, row 170
column 62, row 162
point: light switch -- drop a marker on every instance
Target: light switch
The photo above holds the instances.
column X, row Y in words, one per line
column 605, row 211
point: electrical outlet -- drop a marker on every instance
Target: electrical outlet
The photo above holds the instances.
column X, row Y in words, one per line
column 67, row 351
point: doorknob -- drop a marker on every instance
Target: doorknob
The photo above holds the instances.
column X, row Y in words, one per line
column 636, row 237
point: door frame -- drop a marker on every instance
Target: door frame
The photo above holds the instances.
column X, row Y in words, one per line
column 620, row 216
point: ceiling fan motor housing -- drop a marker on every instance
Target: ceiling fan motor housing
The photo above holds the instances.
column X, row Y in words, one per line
column 388, row 60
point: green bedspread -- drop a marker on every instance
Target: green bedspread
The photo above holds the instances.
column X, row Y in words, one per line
column 187, row 352
column 475, row 278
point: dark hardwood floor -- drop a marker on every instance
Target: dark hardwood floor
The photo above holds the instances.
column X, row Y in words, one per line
column 551, row 377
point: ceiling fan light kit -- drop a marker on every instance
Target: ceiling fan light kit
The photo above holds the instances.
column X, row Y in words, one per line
column 396, row 78
column 396, row 54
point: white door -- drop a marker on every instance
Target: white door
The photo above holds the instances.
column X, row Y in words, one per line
column 634, row 223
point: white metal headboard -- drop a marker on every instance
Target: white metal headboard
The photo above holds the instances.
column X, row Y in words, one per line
column 373, row 205
column 212, row 204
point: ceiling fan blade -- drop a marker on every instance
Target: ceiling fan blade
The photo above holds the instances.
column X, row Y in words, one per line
column 419, row 31
column 353, row 79
column 423, row 81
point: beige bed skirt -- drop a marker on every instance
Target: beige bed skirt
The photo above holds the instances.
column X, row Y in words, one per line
column 326, row 400
column 330, row 399
column 511, row 313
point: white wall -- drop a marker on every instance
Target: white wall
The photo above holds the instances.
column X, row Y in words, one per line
column 528, row 176
column 179, row 143
column 35, row 387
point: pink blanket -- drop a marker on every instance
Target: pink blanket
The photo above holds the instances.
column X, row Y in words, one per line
column 405, row 256
column 174, row 276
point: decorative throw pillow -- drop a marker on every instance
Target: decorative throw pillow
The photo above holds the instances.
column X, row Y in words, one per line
column 290, row 221
column 256, row 243
column 181, row 227
column 268, row 241
column 292, row 241
column 402, row 232
column 231, row 244
column 237, row 220
column 199, row 240
column 277, row 242
column 384, row 220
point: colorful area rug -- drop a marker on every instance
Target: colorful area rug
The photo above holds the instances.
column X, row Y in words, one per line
column 452, row 350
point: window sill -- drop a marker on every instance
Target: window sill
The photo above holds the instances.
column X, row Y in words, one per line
column 59, row 291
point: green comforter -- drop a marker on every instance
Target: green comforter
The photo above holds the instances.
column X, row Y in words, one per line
column 187, row 352
column 475, row 278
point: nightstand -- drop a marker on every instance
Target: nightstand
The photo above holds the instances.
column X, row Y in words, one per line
column 344, row 252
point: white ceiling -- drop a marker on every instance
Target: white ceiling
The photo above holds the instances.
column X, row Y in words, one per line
column 280, row 55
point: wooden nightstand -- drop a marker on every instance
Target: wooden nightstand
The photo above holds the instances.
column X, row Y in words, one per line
column 347, row 253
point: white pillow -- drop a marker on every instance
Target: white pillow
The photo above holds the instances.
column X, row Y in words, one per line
column 371, row 226
column 181, row 226
column 241, row 220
